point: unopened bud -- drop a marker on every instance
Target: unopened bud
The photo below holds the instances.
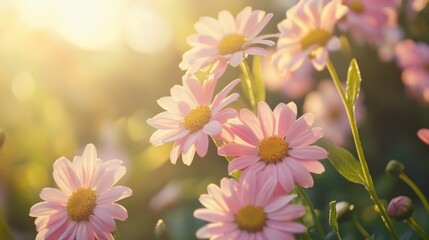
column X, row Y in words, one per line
column 343, row 209
column 400, row 208
column 395, row 167
column 161, row 231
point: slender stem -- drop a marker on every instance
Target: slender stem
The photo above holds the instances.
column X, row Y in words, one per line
column 416, row 227
column 319, row 227
column 367, row 176
column 116, row 235
column 248, row 80
column 360, row 228
column 416, row 189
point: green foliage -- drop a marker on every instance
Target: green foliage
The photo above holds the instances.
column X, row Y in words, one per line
column 353, row 82
column 344, row 162
column 333, row 218
column 259, row 86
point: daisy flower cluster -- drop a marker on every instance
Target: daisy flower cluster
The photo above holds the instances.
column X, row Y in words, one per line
column 273, row 151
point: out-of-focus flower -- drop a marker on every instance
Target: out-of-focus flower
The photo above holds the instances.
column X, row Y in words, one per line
column 418, row 5
column 413, row 58
column 307, row 34
column 84, row 205
column 226, row 40
column 386, row 49
column 293, row 84
column 190, row 117
column 246, row 209
column 275, row 143
column 367, row 20
column 167, row 196
column 423, row 134
column 400, row 208
column 326, row 105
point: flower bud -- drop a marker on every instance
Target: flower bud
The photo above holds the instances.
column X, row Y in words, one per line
column 400, row 208
column 343, row 209
column 395, row 167
column 161, row 231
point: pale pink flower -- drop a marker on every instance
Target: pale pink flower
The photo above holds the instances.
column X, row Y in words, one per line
column 190, row 117
column 292, row 84
column 226, row 40
column 367, row 20
column 423, row 134
column 277, row 143
column 327, row 107
column 413, row 58
column 246, row 209
column 307, row 34
column 418, row 5
column 84, row 205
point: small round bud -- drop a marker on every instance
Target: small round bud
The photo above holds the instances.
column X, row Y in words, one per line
column 400, row 208
column 161, row 231
column 343, row 209
column 395, row 167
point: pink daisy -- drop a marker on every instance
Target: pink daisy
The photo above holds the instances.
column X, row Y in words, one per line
column 327, row 107
column 367, row 20
column 413, row 58
column 307, row 34
column 190, row 117
column 277, row 143
column 292, row 84
column 226, row 40
column 423, row 134
column 84, row 205
column 246, row 209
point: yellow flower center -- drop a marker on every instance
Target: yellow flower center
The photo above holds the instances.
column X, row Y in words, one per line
column 251, row 218
column 197, row 118
column 273, row 149
column 315, row 37
column 81, row 204
column 231, row 43
column 356, row 6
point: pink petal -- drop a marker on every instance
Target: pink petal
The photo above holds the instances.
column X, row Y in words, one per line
column 313, row 166
column 266, row 119
column 278, row 203
column 107, row 178
column 290, row 227
column 188, row 156
column 285, row 176
column 103, row 223
column 114, row 194
column 308, row 152
column 423, row 134
column 212, row 215
column 202, row 144
column 89, row 158
column 235, row 149
column 216, row 229
column 310, row 137
column 246, row 116
column 300, row 126
column 271, row 233
column 236, row 58
column 85, row 231
column 299, row 173
column 65, row 176
column 266, row 191
column 46, row 208
column 245, row 133
column 243, row 162
column 212, row 128
column 286, row 118
column 115, row 210
column 53, row 194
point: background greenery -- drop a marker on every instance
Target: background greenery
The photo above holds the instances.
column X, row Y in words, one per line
column 64, row 84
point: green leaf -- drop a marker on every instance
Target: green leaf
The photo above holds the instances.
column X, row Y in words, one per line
column 353, row 82
column 344, row 162
column 258, row 81
column 333, row 218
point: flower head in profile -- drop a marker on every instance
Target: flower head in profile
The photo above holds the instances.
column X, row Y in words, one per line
column 84, row 205
column 413, row 58
column 226, row 40
column 307, row 34
column 190, row 117
column 367, row 20
column 246, row 209
column 327, row 107
column 277, row 144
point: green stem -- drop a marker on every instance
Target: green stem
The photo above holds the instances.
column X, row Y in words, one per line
column 416, row 189
column 367, row 176
column 416, row 227
column 319, row 227
column 249, row 83
column 360, row 228
column 116, row 235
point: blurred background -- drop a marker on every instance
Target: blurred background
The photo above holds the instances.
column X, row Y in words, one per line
column 90, row 71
